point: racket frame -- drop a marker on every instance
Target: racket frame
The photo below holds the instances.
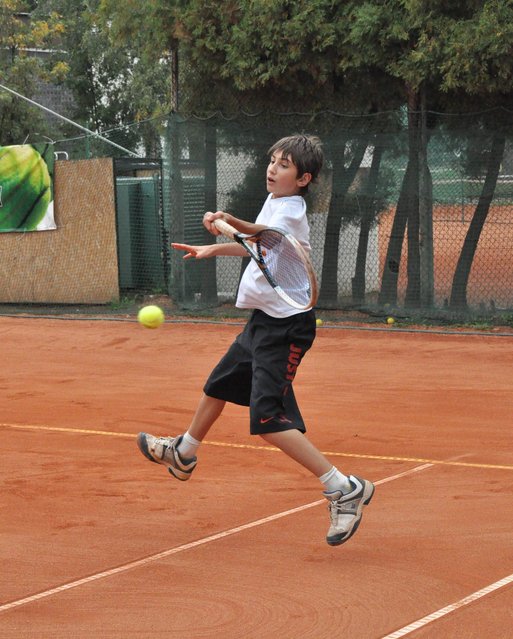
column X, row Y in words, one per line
column 249, row 241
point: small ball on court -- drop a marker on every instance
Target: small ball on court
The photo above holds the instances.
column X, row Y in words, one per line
column 319, row 322
column 390, row 320
column 150, row 316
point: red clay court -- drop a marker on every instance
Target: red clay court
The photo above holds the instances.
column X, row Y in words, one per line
column 97, row 542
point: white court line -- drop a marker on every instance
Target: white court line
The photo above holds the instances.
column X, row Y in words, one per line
column 194, row 544
column 420, row 623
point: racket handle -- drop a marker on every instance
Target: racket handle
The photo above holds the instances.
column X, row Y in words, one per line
column 226, row 229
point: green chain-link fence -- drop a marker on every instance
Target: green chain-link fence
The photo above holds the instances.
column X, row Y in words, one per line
column 416, row 220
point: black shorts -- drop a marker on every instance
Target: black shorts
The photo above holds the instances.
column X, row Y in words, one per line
column 259, row 368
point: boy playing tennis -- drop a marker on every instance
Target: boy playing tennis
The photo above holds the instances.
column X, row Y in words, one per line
column 259, row 367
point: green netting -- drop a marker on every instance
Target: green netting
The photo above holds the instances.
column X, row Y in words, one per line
column 416, row 220
column 383, row 236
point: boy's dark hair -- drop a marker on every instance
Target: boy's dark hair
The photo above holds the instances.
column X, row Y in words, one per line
column 305, row 151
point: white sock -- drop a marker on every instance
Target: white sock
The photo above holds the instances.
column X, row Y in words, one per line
column 335, row 480
column 188, row 446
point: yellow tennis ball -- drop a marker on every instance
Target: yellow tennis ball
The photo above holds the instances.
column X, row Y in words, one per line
column 390, row 320
column 151, row 316
column 319, row 322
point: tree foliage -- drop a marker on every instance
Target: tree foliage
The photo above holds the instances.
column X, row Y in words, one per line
column 21, row 70
column 479, row 51
column 441, row 54
column 111, row 83
column 123, row 60
column 357, row 56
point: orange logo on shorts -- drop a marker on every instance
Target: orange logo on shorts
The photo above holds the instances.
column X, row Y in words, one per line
column 293, row 362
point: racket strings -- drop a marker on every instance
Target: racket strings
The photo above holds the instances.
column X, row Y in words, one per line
column 285, row 266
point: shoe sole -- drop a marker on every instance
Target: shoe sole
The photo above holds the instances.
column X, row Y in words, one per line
column 171, row 471
column 335, row 541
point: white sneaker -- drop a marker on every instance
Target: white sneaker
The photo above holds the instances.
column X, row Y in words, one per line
column 346, row 510
column 163, row 450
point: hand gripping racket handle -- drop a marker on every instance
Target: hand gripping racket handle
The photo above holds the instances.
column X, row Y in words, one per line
column 226, row 229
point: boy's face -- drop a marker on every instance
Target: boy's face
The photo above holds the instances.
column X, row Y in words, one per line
column 282, row 177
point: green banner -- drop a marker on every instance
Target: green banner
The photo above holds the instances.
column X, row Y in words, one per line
column 26, row 188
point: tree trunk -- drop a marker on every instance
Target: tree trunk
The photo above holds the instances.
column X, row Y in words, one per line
column 406, row 216
column 342, row 180
column 412, row 296
column 368, row 213
column 174, row 88
column 208, row 271
column 458, row 299
column 425, row 214
column 173, row 208
column 175, row 217
column 388, row 292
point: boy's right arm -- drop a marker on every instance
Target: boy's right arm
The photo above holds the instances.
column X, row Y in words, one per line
column 213, row 250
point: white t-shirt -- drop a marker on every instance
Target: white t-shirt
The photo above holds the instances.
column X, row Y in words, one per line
column 287, row 214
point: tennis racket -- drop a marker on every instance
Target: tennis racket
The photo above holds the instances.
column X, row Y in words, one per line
column 283, row 261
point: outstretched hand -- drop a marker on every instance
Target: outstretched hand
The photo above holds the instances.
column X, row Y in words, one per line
column 199, row 252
